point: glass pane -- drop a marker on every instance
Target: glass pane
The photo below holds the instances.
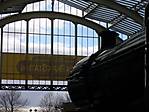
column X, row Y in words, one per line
column 20, row 43
column 64, row 33
column 46, row 5
column 42, row 25
column 86, row 40
column 18, row 27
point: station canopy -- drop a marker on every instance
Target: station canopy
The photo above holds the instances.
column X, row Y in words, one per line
column 27, row 63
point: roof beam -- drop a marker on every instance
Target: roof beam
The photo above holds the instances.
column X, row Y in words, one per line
column 122, row 9
column 121, row 17
column 93, row 7
column 117, row 20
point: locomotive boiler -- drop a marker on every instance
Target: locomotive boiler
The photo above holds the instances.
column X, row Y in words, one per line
column 112, row 79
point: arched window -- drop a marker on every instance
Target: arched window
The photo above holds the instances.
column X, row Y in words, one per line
column 39, row 36
column 14, row 37
column 39, row 6
column 64, row 37
column 46, row 5
column 87, row 41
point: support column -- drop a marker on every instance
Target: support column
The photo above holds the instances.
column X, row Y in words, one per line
column 27, row 51
column 99, row 41
column 52, row 43
column 146, row 58
column 1, row 49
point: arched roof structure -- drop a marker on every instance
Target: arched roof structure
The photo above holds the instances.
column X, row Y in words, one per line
column 124, row 16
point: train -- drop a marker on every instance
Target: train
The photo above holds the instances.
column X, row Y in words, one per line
column 111, row 79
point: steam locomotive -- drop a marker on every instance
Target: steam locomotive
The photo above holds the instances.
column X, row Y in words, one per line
column 112, row 79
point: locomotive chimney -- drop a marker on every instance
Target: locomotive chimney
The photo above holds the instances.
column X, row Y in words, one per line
column 109, row 39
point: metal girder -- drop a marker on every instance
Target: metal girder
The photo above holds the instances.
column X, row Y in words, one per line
column 134, row 8
column 122, row 9
column 52, row 15
column 90, row 9
column 117, row 20
column 146, row 64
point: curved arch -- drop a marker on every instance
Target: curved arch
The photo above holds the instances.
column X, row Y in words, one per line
column 109, row 3
column 52, row 15
column 122, row 9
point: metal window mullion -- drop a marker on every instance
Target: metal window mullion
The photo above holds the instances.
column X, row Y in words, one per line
column 33, row 35
column 81, row 40
column 64, row 34
column 99, row 41
column 70, row 38
column 39, row 5
column 58, row 6
column 46, row 5
column 52, row 29
column 57, row 38
column 64, row 39
column 33, row 6
column 13, row 55
column 20, row 50
column 39, row 43
column 87, row 41
column 15, row 32
column 69, row 9
column 14, row 38
column 39, row 37
column 8, row 40
column 27, row 49
column 53, row 5
column 64, row 44
column 46, row 36
column 76, row 33
column 20, row 37
column 7, row 52
column 64, row 8
column 1, row 58
column 27, row 36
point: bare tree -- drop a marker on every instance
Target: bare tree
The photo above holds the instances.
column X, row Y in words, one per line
column 11, row 101
column 46, row 102
column 53, row 100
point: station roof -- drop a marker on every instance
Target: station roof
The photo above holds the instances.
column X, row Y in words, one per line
column 124, row 16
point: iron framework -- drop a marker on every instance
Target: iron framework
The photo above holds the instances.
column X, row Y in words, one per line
column 124, row 16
